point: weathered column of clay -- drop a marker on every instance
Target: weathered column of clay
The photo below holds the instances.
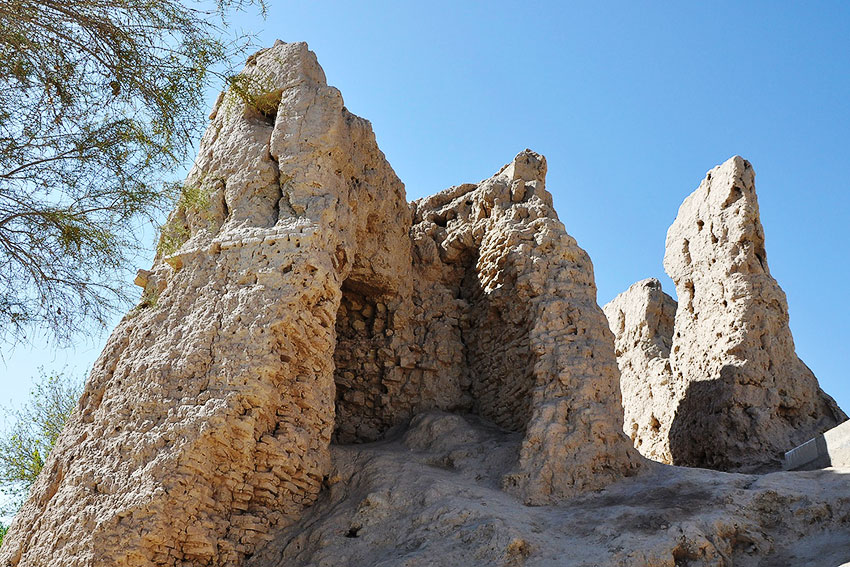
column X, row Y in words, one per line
column 206, row 420
column 520, row 294
column 641, row 319
column 747, row 396
column 574, row 439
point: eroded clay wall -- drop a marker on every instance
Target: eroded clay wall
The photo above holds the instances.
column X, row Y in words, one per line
column 505, row 279
column 491, row 328
column 206, row 421
column 720, row 386
column 732, row 349
column 498, row 353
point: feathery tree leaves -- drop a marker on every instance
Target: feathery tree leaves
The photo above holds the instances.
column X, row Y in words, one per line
column 100, row 101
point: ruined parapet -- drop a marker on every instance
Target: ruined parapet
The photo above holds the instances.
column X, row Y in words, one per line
column 641, row 319
column 503, row 323
column 296, row 299
column 741, row 397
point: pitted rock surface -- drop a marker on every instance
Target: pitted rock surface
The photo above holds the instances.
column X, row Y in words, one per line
column 517, row 294
column 641, row 319
column 298, row 299
column 207, row 419
column 321, row 373
column 737, row 393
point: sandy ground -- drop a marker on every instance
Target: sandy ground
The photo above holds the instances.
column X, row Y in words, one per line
column 429, row 495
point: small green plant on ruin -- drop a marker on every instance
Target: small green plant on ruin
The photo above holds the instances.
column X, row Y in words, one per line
column 257, row 93
column 193, row 198
column 149, row 299
column 172, row 235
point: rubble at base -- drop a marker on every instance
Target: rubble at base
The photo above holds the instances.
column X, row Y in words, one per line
column 430, row 496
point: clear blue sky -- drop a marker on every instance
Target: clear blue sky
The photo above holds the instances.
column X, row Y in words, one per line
column 631, row 102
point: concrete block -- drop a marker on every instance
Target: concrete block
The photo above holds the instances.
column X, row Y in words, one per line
column 832, row 449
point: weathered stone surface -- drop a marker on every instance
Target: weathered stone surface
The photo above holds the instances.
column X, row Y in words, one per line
column 299, row 307
column 738, row 395
column 430, row 496
column 512, row 297
column 732, row 345
column 641, row 319
column 297, row 298
column 207, row 419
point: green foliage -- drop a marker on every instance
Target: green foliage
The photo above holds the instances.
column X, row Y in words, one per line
column 99, row 103
column 3, row 530
column 257, row 92
column 34, row 429
column 149, row 299
column 192, row 198
column 172, row 235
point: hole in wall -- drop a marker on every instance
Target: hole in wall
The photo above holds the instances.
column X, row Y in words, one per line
column 497, row 347
column 361, row 359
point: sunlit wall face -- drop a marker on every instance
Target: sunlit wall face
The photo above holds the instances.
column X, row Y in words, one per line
column 631, row 104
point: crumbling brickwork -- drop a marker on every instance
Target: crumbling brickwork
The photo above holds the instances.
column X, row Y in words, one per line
column 722, row 387
column 297, row 297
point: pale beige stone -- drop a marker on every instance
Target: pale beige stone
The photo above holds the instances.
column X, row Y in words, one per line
column 641, row 319
column 430, row 496
column 300, row 308
column 732, row 345
column 298, row 298
column 207, row 419
column 735, row 396
column 531, row 343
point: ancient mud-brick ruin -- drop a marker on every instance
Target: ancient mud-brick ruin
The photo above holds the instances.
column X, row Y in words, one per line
column 641, row 319
column 299, row 299
column 299, row 305
column 720, row 386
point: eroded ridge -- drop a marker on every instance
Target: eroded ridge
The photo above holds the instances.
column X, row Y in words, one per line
column 297, row 298
column 736, row 395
